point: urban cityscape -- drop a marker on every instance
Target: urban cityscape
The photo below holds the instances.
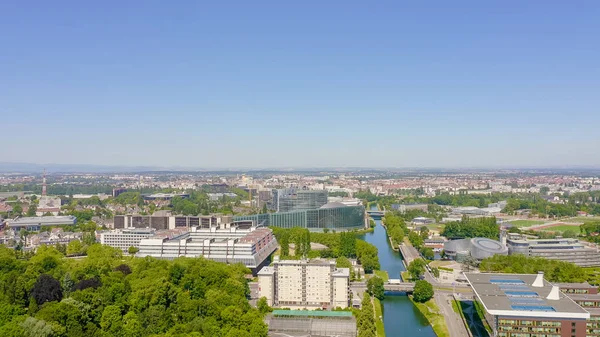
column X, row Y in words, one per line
column 300, row 169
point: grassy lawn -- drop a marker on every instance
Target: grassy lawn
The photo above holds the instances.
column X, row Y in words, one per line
column 383, row 274
column 526, row 223
column 405, row 276
column 431, row 311
column 379, row 318
column 583, row 219
column 562, row 228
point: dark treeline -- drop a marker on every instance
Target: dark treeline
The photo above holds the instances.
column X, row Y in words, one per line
column 471, row 228
column 554, row 271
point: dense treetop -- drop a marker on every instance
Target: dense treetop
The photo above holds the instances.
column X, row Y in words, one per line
column 554, row 271
column 108, row 295
column 472, row 228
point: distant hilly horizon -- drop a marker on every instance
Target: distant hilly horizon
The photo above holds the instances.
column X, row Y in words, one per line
column 10, row 167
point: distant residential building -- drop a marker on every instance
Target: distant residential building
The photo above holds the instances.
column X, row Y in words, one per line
column 36, row 223
column 315, row 284
column 165, row 196
column 292, row 199
column 409, row 207
column 117, row 191
column 218, row 196
column 237, row 243
column 422, row 221
column 48, row 204
column 568, row 250
column 125, row 238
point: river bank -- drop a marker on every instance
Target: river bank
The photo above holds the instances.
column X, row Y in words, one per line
column 401, row 318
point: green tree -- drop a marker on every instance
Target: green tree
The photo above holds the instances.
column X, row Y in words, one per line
column 423, row 291
column 375, row 287
column 111, row 321
column 366, row 318
column 428, row 253
column 416, row 268
column 435, row 271
column 284, row 242
column 263, row 306
column 133, row 250
column 415, row 239
column 74, row 248
column 32, row 209
column 131, row 325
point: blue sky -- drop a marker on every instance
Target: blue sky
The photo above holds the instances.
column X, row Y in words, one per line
column 303, row 84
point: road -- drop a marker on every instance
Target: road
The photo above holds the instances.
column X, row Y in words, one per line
column 454, row 322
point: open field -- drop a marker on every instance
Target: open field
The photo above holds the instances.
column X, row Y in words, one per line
column 526, row 223
column 561, row 228
column 583, row 219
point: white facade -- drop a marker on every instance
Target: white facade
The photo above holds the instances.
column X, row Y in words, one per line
column 305, row 284
column 125, row 238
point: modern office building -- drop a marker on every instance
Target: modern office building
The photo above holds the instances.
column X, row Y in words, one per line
column 309, row 284
column 292, row 199
column 36, row 223
column 125, row 238
column 569, row 250
column 333, row 216
column 170, row 222
column 588, row 298
column 479, row 248
column 519, row 305
column 233, row 243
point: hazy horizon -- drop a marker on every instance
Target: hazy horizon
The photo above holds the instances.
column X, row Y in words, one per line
column 275, row 84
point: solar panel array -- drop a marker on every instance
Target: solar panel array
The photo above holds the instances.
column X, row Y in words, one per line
column 521, row 297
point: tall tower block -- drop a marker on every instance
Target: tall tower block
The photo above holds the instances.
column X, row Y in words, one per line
column 44, row 184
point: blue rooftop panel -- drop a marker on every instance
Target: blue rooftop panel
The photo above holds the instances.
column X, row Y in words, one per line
column 506, row 281
column 532, row 307
column 521, row 293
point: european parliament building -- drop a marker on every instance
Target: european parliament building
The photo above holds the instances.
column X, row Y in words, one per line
column 293, row 199
column 333, row 216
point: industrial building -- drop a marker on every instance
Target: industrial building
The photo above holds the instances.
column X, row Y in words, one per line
column 125, row 238
column 36, row 223
column 565, row 249
column 479, row 248
column 314, row 284
column 293, row 199
column 227, row 243
column 333, row 216
column 527, row 305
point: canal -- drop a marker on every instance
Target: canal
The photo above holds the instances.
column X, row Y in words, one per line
column 400, row 317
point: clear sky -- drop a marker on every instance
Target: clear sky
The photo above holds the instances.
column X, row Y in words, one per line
column 301, row 83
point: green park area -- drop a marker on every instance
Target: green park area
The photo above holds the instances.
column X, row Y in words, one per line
column 431, row 311
column 583, row 219
column 526, row 223
column 562, row 228
column 383, row 274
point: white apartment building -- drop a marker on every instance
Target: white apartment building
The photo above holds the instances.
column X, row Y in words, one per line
column 310, row 284
column 125, row 238
column 250, row 246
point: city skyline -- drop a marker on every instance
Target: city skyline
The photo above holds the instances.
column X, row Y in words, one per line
column 274, row 85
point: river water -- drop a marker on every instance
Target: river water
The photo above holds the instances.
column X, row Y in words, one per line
column 400, row 316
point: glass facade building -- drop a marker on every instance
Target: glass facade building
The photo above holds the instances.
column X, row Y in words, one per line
column 291, row 199
column 338, row 218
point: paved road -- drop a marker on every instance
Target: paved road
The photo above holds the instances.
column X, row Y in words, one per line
column 253, row 293
column 454, row 322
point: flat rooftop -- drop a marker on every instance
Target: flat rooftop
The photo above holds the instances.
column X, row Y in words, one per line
column 67, row 219
column 515, row 295
column 312, row 313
